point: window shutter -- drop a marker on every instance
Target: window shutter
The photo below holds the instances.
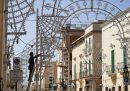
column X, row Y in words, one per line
column 112, row 61
column 124, row 55
column 74, row 71
column 89, row 67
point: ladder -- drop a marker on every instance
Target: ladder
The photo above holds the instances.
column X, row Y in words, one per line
column 30, row 80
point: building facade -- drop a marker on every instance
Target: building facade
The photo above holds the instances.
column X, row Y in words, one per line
column 86, row 59
column 52, row 76
column 69, row 35
column 115, row 53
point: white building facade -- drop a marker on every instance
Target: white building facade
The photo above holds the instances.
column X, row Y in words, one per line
column 115, row 53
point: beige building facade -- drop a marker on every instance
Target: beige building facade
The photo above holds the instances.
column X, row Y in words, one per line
column 69, row 35
column 86, row 59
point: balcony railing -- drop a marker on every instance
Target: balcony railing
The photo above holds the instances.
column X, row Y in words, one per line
column 80, row 75
column 84, row 74
column 120, row 67
column 87, row 51
column 75, row 26
column 108, row 69
column 60, row 64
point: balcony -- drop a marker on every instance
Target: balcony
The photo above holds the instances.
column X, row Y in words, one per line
column 108, row 69
column 75, row 26
column 80, row 75
column 120, row 67
column 60, row 64
column 84, row 74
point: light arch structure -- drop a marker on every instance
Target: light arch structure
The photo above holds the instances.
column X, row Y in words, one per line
column 31, row 47
column 55, row 14
column 61, row 12
column 17, row 13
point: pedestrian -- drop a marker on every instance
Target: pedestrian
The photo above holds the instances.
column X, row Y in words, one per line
column 31, row 63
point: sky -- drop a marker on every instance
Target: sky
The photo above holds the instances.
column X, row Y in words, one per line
column 30, row 23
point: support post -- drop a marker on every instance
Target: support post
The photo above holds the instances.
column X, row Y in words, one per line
column 37, row 73
column 1, row 42
column 40, row 62
column 4, row 42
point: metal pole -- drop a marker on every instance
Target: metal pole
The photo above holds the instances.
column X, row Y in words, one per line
column 37, row 74
column 5, row 45
column 40, row 61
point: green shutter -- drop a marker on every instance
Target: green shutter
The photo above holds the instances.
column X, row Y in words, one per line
column 112, row 61
column 74, row 71
column 124, row 55
column 89, row 67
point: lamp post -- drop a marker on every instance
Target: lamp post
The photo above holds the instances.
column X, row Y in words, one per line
column 126, row 75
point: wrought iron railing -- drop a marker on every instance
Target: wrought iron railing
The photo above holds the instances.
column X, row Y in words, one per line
column 120, row 67
column 84, row 74
column 76, row 26
column 108, row 69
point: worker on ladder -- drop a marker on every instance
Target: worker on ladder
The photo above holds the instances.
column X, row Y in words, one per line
column 31, row 63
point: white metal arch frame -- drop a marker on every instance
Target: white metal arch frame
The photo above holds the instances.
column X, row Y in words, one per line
column 17, row 13
column 57, row 13
column 31, row 47
column 65, row 11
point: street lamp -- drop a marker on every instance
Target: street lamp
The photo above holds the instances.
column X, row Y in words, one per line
column 126, row 75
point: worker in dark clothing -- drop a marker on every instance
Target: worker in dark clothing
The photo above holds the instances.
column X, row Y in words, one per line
column 31, row 63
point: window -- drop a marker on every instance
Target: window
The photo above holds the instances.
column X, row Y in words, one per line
column 74, row 71
column 80, row 89
column 89, row 50
column 126, row 88
column 119, row 88
column 80, row 68
column 112, row 61
column 86, row 44
column 86, row 70
column 113, row 88
column 70, row 56
column 89, row 67
column 106, row 88
column 86, row 52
